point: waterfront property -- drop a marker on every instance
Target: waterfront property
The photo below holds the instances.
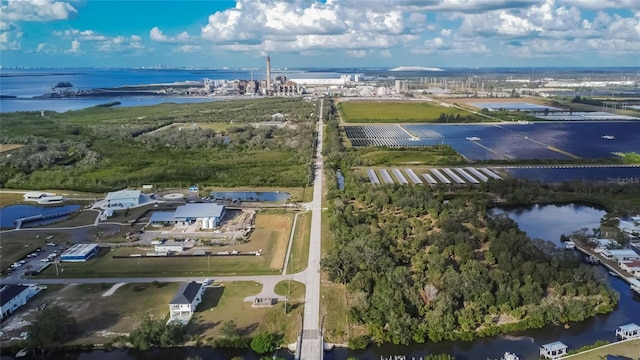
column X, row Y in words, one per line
column 632, row 267
column 14, row 296
column 621, row 255
column 553, row 350
column 79, row 252
column 628, row 331
column 123, row 199
column 42, row 197
column 185, row 301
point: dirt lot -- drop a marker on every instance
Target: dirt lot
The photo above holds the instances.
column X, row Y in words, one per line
column 100, row 318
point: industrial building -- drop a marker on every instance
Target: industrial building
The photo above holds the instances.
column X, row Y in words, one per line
column 14, row 296
column 79, row 253
column 123, row 199
column 208, row 214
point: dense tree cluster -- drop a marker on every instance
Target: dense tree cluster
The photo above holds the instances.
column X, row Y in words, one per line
column 52, row 328
column 425, row 267
column 156, row 333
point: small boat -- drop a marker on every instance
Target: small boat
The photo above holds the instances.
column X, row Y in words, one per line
column 510, row 356
column 608, row 137
column 614, row 274
column 593, row 260
column 21, row 353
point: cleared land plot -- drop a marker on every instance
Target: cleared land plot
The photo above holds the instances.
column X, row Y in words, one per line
column 336, row 302
column 514, row 106
column 225, row 302
column 397, row 112
column 103, row 318
column 433, row 155
column 271, row 234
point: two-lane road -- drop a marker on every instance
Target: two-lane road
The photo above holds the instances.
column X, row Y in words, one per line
column 312, row 348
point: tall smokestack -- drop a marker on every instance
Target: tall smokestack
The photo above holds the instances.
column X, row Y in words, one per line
column 268, row 75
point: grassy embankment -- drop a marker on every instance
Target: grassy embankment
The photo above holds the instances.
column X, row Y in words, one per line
column 271, row 234
column 401, row 112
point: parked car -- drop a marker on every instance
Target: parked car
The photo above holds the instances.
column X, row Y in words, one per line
column 44, row 260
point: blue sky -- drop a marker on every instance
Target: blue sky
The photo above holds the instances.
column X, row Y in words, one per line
column 308, row 33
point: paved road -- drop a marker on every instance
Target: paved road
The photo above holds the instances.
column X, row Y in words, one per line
column 311, row 339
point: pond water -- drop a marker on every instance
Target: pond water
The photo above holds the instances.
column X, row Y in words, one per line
column 9, row 214
column 340, row 180
column 272, row 196
column 548, row 222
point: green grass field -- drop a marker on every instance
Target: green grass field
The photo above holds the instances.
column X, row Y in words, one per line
column 432, row 155
column 300, row 248
column 400, row 112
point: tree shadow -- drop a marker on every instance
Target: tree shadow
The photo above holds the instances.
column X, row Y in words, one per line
column 249, row 329
column 211, row 298
column 199, row 325
column 101, row 320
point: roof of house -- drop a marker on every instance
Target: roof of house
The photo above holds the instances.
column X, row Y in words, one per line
column 554, row 346
column 8, row 292
column 186, row 293
column 199, row 210
column 620, row 252
column 123, row 194
column 629, row 327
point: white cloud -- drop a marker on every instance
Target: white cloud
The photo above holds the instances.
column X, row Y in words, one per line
column 75, row 48
column 36, row 10
column 10, row 40
column 156, row 35
column 357, row 53
column 604, row 4
column 101, row 42
column 188, row 48
column 385, row 53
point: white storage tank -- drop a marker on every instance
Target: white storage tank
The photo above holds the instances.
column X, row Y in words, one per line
column 212, row 223
column 205, row 223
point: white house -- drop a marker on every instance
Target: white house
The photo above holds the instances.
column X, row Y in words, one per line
column 14, row 296
column 632, row 267
column 621, row 255
column 123, row 199
column 185, row 301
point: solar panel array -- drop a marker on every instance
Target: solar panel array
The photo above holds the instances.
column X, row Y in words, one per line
column 435, row 176
column 508, row 141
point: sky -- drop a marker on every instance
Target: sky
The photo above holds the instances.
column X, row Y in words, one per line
column 312, row 33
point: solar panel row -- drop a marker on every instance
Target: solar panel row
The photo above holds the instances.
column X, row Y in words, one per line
column 435, row 177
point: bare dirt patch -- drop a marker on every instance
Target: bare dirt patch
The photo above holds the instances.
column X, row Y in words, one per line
column 273, row 231
column 9, row 147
